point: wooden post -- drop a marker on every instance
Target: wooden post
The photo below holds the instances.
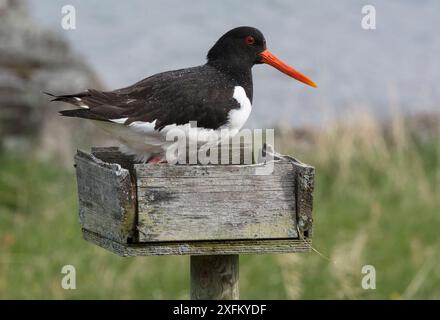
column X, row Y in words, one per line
column 215, row 277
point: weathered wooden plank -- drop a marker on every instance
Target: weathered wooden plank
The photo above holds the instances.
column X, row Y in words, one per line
column 113, row 155
column 225, row 154
column 215, row 277
column 261, row 246
column 106, row 200
column 280, row 167
column 268, row 181
column 304, row 195
column 188, row 203
column 304, row 181
column 231, row 155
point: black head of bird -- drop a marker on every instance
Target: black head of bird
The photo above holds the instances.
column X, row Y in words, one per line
column 245, row 47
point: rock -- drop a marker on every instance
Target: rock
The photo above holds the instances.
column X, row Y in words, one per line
column 34, row 60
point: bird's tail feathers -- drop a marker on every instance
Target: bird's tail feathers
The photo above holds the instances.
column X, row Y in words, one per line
column 82, row 113
column 74, row 99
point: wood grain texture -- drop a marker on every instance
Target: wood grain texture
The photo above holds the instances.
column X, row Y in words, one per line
column 215, row 277
column 113, row 155
column 109, row 194
column 215, row 202
column 304, row 194
column 199, row 247
column 106, row 198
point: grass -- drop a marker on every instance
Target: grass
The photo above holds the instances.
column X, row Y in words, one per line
column 376, row 202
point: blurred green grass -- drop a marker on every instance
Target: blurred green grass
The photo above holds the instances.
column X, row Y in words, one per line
column 377, row 202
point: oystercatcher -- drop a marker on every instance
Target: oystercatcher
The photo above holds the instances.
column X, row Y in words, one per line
column 215, row 96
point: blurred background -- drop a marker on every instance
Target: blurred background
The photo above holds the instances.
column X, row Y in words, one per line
column 371, row 129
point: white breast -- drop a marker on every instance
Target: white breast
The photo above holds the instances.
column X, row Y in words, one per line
column 238, row 117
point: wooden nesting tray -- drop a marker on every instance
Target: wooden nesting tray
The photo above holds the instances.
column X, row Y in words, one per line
column 145, row 209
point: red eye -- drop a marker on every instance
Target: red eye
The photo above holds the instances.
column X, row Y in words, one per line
column 249, row 40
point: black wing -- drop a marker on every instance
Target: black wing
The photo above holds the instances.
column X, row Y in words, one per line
column 201, row 94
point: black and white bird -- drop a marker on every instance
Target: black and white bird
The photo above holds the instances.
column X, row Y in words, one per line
column 216, row 96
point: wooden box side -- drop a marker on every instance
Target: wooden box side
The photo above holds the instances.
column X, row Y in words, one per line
column 305, row 185
column 107, row 203
column 192, row 248
column 216, row 202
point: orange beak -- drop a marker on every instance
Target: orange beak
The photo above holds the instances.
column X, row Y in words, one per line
column 269, row 58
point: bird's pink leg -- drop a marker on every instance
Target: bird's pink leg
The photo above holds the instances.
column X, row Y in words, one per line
column 156, row 160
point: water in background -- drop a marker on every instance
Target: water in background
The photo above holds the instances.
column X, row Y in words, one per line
column 396, row 64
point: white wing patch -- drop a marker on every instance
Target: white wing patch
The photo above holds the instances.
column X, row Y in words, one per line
column 81, row 104
column 120, row 120
column 144, row 127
